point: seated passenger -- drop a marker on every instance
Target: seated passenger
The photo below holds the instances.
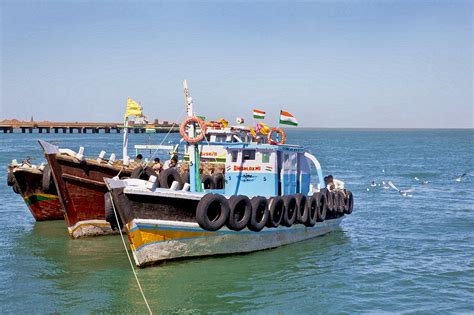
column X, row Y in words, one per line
column 157, row 166
column 173, row 162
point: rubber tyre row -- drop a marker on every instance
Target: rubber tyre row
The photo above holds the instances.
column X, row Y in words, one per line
column 214, row 211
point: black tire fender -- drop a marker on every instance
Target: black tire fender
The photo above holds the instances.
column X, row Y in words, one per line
column 109, row 213
column 260, row 213
column 349, row 202
column 291, row 210
column 276, row 209
column 240, row 211
column 47, row 181
column 329, row 199
column 302, row 214
column 137, row 172
column 321, row 207
column 218, row 180
column 312, row 206
column 212, row 212
column 207, row 181
column 168, row 176
column 339, row 197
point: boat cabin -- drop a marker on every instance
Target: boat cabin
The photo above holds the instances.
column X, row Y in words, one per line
column 267, row 170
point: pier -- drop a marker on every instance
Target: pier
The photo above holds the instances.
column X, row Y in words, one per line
column 8, row 126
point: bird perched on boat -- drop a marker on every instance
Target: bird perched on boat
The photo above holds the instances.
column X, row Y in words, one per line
column 459, row 178
column 423, row 182
column 403, row 193
column 373, row 184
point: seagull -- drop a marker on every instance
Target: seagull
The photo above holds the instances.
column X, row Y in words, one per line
column 459, row 178
column 384, row 185
column 373, row 184
column 403, row 193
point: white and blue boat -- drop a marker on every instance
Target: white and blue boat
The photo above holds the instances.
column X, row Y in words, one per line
column 268, row 200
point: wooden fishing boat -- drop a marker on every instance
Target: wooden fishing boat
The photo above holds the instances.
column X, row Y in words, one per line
column 80, row 186
column 40, row 197
column 267, row 201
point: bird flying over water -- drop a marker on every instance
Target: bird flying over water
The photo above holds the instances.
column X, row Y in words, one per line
column 403, row 193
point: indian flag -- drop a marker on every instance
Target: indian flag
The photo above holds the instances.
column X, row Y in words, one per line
column 287, row 119
column 258, row 114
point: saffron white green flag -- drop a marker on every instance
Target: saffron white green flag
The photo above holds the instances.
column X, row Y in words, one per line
column 287, row 119
column 258, row 114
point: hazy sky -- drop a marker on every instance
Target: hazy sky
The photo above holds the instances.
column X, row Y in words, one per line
column 331, row 64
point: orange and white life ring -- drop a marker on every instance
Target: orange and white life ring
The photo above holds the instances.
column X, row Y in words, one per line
column 198, row 137
column 278, row 131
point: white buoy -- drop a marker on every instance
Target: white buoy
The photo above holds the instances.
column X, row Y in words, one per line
column 101, row 156
column 80, row 154
column 112, row 159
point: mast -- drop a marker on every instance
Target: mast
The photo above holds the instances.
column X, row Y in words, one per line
column 125, row 157
column 193, row 150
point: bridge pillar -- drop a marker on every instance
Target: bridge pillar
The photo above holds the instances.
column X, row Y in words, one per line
column 136, row 130
column 40, row 130
column 48, row 129
column 107, row 130
column 64, row 130
column 30, row 130
column 117, row 130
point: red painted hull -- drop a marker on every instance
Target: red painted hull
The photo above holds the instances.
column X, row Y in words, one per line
column 81, row 192
column 43, row 204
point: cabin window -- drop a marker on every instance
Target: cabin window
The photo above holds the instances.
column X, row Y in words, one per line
column 248, row 155
column 221, row 138
column 265, row 157
column 235, row 154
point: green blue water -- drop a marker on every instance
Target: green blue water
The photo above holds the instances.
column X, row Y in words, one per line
column 393, row 254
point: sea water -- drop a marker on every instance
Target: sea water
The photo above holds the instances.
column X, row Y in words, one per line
column 393, row 254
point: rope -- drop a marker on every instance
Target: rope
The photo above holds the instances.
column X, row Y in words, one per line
column 129, row 259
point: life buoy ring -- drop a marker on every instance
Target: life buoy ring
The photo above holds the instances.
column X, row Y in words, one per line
column 186, row 122
column 280, row 132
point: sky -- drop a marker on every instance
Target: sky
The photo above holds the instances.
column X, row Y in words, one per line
column 344, row 64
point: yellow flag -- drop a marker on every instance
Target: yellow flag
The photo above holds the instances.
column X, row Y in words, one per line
column 133, row 108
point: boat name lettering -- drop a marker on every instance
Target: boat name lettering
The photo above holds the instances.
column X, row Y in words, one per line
column 247, row 168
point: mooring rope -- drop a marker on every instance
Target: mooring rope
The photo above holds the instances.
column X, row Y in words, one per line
column 129, row 259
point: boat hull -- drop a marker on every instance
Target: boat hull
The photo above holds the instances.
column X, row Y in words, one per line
column 81, row 191
column 43, row 205
column 153, row 241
